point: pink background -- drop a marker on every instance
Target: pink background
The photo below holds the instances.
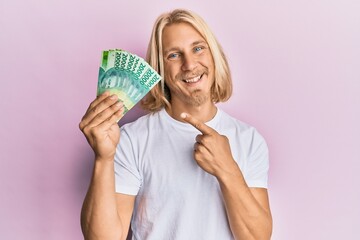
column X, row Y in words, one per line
column 296, row 71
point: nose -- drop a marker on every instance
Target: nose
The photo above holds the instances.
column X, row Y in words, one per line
column 189, row 62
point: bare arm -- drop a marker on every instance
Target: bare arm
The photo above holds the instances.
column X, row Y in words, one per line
column 105, row 214
column 247, row 208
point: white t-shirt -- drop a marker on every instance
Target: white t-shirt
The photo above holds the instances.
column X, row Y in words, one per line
column 176, row 199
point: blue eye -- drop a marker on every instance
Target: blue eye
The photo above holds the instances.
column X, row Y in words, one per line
column 197, row 49
column 173, row 55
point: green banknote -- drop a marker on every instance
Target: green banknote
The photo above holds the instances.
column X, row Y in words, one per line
column 127, row 75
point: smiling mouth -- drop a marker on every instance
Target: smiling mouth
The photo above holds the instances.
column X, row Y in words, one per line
column 193, row 80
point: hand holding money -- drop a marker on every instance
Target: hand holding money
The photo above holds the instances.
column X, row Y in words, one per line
column 124, row 79
column 100, row 127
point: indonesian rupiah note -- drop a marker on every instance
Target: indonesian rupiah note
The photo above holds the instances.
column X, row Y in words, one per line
column 127, row 75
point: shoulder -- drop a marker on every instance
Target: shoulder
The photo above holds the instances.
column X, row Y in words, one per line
column 229, row 122
column 243, row 131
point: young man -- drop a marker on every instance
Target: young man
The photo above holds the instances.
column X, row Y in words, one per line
column 188, row 170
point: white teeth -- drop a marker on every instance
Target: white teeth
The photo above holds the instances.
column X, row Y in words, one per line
column 192, row 80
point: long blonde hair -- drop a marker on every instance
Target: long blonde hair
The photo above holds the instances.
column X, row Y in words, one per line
column 159, row 96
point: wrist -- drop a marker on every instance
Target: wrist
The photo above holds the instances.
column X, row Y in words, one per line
column 104, row 159
column 102, row 165
column 233, row 176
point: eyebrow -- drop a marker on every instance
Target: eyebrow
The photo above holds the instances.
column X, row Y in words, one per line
column 199, row 42
column 177, row 49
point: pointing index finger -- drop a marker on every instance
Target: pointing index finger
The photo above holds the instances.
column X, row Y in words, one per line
column 202, row 127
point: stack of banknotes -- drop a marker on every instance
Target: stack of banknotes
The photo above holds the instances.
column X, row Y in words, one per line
column 127, row 75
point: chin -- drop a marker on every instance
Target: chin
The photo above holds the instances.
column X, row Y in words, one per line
column 197, row 99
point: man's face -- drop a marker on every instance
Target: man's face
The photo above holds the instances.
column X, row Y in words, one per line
column 188, row 65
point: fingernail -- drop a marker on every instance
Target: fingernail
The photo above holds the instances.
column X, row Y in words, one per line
column 113, row 97
column 118, row 104
column 183, row 115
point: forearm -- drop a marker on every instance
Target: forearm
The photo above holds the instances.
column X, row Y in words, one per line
column 248, row 219
column 99, row 216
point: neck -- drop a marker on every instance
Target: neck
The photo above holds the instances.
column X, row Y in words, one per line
column 204, row 112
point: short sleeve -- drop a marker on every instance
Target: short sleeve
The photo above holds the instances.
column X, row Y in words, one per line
column 127, row 176
column 257, row 166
